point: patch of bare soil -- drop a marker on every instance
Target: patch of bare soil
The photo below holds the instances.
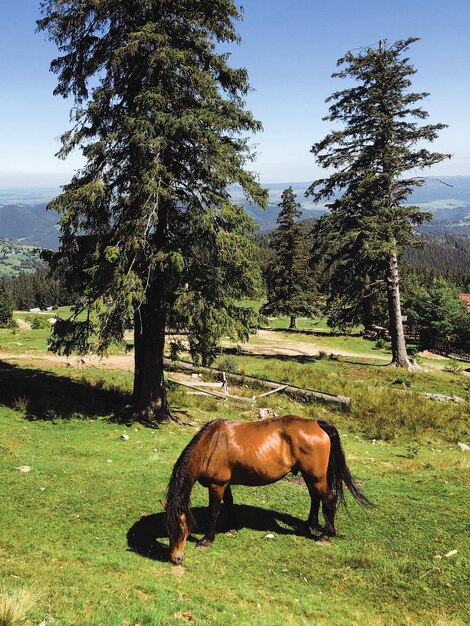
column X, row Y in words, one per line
column 431, row 355
column 273, row 343
column 23, row 324
column 115, row 361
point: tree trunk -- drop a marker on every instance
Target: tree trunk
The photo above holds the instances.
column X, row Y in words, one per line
column 293, row 323
column 399, row 354
column 149, row 395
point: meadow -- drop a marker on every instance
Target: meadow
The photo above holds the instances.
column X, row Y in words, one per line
column 82, row 538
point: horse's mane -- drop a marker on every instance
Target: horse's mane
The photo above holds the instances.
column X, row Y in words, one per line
column 180, row 486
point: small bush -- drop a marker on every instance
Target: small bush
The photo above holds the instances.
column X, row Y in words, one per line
column 453, row 367
column 228, row 364
column 402, row 380
column 15, row 606
column 412, row 450
column 380, row 344
column 13, row 326
column 21, row 404
column 176, row 347
column 39, row 322
column 388, row 415
column 322, row 355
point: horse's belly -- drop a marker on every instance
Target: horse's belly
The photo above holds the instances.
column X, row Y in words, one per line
column 253, row 476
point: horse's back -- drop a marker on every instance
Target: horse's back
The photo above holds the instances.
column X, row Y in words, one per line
column 256, row 453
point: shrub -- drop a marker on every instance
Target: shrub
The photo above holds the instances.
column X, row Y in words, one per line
column 386, row 414
column 15, row 606
column 39, row 322
column 21, row 404
column 412, row 450
column 228, row 364
column 176, row 347
column 403, row 380
column 453, row 367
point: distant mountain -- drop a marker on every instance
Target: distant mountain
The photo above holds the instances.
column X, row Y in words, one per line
column 23, row 213
column 447, row 198
column 33, row 225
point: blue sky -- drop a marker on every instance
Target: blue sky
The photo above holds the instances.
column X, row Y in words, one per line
column 290, row 50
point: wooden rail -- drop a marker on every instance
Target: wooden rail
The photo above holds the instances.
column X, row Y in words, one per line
column 297, row 392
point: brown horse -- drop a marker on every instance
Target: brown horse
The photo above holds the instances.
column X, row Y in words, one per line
column 246, row 453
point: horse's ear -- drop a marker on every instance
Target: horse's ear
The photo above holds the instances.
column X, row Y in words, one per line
column 163, row 503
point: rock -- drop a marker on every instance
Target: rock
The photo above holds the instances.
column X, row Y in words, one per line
column 24, row 468
column 266, row 413
column 451, row 553
column 124, row 436
column 269, row 536
column 439, row 397
column 463, row 446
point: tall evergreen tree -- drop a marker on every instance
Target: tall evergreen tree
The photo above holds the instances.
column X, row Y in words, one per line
column 291, row 286
column 438, row 312
column 147, row 226
column 6, row 304
column 369, row 222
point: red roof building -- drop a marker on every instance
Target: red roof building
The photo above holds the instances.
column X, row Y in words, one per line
column 466, row 298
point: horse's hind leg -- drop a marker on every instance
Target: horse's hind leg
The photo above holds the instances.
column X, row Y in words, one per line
column 216, row 493
column 312, row 521
column 328, row 507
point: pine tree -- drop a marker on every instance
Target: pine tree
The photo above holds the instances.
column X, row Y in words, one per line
column 148, row 230
column 438, row 312
column 369, row 222
column 6, row 304
column 291, row 287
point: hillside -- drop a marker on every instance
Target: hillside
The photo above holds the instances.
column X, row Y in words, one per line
column 32, row 224
column 16, row 257
column 448, row 254
column 23, row 214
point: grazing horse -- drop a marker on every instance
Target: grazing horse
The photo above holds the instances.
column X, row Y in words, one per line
column 223, row 453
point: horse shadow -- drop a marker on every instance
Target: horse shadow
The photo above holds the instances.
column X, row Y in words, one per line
column 144, row 537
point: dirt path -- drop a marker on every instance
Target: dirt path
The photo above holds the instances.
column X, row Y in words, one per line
column 265, row 343
column 271, row 343
column 115, row 361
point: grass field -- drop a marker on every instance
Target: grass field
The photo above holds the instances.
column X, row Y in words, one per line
column 82, row 531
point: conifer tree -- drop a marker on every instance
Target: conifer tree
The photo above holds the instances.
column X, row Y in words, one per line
column 149, row 234
column 6, row 304
column 291, row 286
column 371, row 156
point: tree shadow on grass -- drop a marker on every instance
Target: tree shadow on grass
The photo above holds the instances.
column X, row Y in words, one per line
column 310, row 331
column 43, row 395
column 143, row 537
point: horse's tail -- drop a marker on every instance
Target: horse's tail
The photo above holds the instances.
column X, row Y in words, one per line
column 178, row 496
column 338, row 472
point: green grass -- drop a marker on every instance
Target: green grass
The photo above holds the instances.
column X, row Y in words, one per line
column 19, row 340
column 64, row 526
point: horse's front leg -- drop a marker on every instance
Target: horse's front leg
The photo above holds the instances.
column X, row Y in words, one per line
column 216, row 493
column 232, row 516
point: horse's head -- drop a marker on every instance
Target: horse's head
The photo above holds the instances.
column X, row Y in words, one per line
column 178, row 540
column 179, row 529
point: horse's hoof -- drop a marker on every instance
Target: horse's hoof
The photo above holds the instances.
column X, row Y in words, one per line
column 324, row 540
column 204, row 543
